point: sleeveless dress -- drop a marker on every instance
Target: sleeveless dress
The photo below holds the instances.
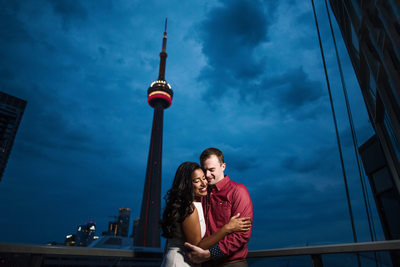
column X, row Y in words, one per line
column 175, row 252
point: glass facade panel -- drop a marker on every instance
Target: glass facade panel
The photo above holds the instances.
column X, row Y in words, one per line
column 354, row 40
column 393, row 139
column 372, row 86
column 390, row 202
column 382, row 180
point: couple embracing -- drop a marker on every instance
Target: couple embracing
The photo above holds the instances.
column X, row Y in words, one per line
column 208, row 217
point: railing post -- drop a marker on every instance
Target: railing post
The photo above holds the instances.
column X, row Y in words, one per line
column 36, row 260
column 316, row 260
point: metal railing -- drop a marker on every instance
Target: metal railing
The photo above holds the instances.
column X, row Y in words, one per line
column 39, row 255
column 316, row 252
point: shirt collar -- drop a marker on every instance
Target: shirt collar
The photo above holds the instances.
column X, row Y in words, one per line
column 222, row 183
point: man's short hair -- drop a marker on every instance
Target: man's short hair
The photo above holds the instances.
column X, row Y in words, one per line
column 212, row 151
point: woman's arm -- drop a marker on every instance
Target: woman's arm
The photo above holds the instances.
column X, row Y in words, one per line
column 192, row 231
column 191, row 227
column 213, row 239
column 235, row 224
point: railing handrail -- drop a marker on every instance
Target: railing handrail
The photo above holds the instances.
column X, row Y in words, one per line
column 328, row 249
column 126, row 253
column 73, row 251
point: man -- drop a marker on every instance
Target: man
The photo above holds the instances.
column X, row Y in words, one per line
column 225, row 199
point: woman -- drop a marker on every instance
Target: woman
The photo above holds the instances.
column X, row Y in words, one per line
column 183, row 218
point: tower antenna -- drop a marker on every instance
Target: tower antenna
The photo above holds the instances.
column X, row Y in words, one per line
column 163, row 55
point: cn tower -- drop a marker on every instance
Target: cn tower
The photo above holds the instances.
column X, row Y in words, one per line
column 159, row 96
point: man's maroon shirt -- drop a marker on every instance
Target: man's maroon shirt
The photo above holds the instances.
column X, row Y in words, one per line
column 224, row 200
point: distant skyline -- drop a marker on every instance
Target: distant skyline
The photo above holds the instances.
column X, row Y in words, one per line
column 247, row 78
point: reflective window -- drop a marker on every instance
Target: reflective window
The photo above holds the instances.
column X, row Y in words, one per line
column 393, row 138
column 354, row 39
column 382, row 180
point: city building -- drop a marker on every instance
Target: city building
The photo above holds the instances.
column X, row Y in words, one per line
column 123, row 222
column 70, row 240
column 371, row 32
column 112, row 229
column 135, row 227
column 85, row 234
column 11, row 111
column 159, row 97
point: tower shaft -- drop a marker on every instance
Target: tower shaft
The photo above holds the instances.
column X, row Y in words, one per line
column 148, row 233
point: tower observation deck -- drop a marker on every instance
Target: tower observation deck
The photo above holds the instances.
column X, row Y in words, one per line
column 159, row 96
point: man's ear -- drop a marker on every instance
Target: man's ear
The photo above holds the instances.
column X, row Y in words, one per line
column 223, row 166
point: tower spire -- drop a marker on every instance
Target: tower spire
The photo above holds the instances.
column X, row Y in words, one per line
column 164, row 45
column 163, row 55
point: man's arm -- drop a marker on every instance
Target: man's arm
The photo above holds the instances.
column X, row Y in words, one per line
column 196, row 254
column 241, row 203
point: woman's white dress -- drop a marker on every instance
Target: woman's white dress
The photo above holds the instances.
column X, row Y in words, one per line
column 175, row 252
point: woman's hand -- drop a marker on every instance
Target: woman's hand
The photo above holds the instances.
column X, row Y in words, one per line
column 237, row 224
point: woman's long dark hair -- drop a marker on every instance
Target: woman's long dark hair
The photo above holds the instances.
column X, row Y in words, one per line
column 179, row 199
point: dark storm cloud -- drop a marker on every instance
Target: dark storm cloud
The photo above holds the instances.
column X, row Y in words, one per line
column 69, row 10
column 6, row 74
column 300, row 209
column 49, row 127
column 229, row 36
column 293, row 94
column 11, row 28
column 304, row 207
column 300, row 194
column 312, row 161
column 240, row 161
column 296, row 89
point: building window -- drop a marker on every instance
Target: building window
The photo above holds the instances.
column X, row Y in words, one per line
column 354, row 40
column 372, row 86
column 392, row 136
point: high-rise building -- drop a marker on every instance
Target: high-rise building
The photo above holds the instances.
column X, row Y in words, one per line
column 371, row 32
column 11, row 111
column 135, row 227
column 112, row 228
column 123, row 221
column 159, row 97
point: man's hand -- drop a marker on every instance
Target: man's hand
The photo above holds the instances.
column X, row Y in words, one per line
column 196, row 254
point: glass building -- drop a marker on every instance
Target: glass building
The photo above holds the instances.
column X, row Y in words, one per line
column 371, row 32
column 11, row 111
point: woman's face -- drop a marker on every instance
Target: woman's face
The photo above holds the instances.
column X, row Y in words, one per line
column 199, row 183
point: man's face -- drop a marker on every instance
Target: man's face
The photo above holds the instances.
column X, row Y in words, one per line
column 213, row 169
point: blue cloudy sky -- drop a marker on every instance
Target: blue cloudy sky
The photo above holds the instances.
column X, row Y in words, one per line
column 247, row 76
